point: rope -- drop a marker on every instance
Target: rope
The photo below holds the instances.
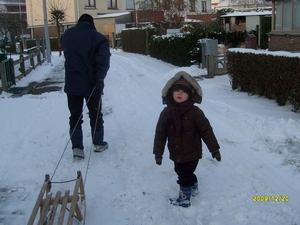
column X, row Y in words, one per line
column 61, row 182
column 93, row 137
column 89, row 157
column 59, row 161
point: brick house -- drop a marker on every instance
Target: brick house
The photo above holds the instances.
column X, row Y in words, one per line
column 202, row 17
column 285, row 31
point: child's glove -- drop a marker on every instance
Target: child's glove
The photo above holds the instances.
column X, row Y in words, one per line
column 217, row 156
column 158, row 159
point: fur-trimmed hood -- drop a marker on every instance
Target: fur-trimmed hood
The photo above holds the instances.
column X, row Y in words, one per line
column 196, row 95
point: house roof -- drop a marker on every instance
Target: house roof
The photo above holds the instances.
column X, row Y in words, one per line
column 12, row 2
column 228, row 3
column 111, row 15
column 254, row 13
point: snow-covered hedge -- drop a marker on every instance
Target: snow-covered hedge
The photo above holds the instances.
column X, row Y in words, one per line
column 181, row 49
column 275, row 75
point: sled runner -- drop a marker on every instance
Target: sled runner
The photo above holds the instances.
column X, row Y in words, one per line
column 49, row 205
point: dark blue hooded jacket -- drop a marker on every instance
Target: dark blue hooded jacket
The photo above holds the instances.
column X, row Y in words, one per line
column 87, row 55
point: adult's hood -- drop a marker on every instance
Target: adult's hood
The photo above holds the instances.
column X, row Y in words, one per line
column 196, row 93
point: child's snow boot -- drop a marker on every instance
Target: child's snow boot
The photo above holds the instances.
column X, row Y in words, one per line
column 184, row 197
column 195, row 190
column 99, row 144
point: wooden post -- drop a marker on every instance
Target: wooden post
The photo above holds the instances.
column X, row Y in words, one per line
column 24, row 43
column 55, row 205
column 22, row 65
column 12, row 71
column 147, row 41
column 211, row 67
column 32, row 60
column 39, row 199
column 3, row 77
column 63, row 208
column 74, row 204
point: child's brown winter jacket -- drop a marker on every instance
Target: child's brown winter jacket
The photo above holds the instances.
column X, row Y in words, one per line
column 195, row 127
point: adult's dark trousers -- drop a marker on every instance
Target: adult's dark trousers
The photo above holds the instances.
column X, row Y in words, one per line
column 75, row 104
column 185, row 172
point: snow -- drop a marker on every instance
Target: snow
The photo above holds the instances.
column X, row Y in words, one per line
column 113, row 15
column 259, row 145
column 251, row 13
column 230, row 3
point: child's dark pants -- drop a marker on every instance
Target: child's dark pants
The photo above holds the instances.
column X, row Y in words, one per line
column 185, row 172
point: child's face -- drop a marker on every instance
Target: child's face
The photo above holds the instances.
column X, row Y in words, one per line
column 180, row 96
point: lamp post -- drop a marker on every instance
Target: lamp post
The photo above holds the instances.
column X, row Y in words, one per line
column 46, row 32
column 21, row 22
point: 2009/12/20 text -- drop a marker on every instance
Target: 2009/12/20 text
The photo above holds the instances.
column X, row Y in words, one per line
column 270, row 198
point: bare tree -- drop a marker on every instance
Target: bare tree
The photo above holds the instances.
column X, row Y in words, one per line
column 4, row 24
column 11, row 23
column 174, row 10
column 249, row 3
column 57, row 11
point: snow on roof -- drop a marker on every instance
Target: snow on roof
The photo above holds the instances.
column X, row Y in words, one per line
column 109, row 15
column 254, row 13
column 12, row 2
column 229, row 3
column 192, row 20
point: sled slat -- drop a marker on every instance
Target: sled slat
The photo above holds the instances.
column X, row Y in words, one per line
column 55, row 205
column 40, row 197
column 74, row 200
column 45, row 209
column 63, row 208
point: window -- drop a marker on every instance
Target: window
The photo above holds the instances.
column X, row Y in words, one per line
column 296, row 15
column 286, row 25
column 287, row 15
column 278, row 17
column 192, row 6
column 130, row 4
column 167, row 4
column 180, row 5
column 112, row 4
column 89, row 4
column 203, row 6
column 240, row 19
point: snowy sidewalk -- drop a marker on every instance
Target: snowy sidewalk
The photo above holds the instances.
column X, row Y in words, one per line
column 53, row 81
column 257, row 181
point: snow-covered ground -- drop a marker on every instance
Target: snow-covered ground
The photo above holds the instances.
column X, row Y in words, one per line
column 259, row 145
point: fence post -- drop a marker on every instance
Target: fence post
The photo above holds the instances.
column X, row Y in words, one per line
column 211, row 67
column 32, row 60
column 113, row 42
column 3, row 77
column 24, row 43
column 22, row 65
column 39, row 57
column 12, row 71
column 147, row 41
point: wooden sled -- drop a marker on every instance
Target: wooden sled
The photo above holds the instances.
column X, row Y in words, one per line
column 48, row 205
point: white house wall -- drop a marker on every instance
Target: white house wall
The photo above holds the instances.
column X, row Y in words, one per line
column 75, row 8
column 252, row 22
column 35, row 13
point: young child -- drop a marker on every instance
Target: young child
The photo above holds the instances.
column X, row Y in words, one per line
column 184, row 126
